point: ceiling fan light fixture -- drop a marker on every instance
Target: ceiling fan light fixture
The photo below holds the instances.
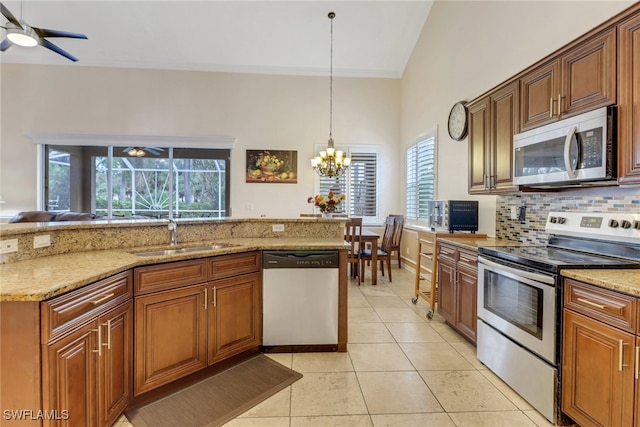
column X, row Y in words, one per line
column 22, row 36
column 136, row 152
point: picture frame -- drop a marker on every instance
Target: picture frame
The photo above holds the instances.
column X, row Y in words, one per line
column 272, row 166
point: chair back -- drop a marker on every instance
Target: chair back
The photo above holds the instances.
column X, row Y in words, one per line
column 353, row 236
column 387, row 237
column 397, row 231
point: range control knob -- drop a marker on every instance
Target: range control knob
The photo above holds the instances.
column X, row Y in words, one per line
column 625, row 224
column 613, row 223
column 553, row 219
column 636, row 225
column 561, row 220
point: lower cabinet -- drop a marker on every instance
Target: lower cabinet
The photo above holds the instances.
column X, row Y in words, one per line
column 599, row 359
column 183, row 327
column 457, row 287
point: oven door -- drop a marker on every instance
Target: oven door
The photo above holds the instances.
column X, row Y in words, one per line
column 520, row 304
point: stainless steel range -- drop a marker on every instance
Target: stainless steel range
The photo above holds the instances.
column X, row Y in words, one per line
column 520, row 297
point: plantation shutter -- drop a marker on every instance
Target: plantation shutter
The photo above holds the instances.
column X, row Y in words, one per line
column 420, row 178
column 363, row 188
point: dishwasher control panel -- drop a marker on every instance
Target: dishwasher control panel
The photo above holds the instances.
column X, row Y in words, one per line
column 300, row 259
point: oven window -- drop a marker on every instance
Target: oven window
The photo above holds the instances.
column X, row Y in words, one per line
column 515, row 302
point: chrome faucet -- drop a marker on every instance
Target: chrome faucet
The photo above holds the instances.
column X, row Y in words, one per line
column 173, row 232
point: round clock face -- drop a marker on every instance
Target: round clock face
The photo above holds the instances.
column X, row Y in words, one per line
column 458, row 121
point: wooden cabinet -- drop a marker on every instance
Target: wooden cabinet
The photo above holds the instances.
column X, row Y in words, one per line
column 599, row 362
column 583, row 78
column 628, row 101
column 87, row 360
column 457, row 287
column 203, row 312
column 493, row 121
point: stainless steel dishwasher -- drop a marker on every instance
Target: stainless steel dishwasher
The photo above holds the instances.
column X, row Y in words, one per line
column 300, row 298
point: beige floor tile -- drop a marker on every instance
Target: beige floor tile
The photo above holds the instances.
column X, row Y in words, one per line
column 333, row 421
column 491, row 419
column 322, row 362
column 282, row 358
column 259, row 422
column 369, row 333
column 445, row 331
column 414, row 332
column 357, row 299
column 462, row 391
column 278, row 405
column 468, row 351
column 412, row 420
column 436, row 356
column 379, row 357
column 386, row 302
column 380, row 290
column 538, row 419
column 399, row 315
column 335, row 393
column 510, row 394
column 363, row 315
column 396, row 393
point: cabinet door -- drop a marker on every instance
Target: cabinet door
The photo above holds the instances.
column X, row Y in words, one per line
column 466, row 310
column 69, row 378
column 446, row 290
column 598, row 375
column 505, row 123
column 170, row 336
column 539, row 90
column 628, row 101
column 234, row 316
column 478, row 139
column 589, row 75
column 115, row 380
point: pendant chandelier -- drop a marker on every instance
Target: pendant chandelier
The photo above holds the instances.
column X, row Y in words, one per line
column 331, row 162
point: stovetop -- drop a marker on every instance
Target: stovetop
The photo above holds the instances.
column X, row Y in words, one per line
column 579, row 240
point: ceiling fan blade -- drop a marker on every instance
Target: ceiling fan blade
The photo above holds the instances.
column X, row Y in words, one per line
column 154, row 150
column 6, row 44
column 44, row 32
column 9, row 16
column 126, row 150
column 56, row 49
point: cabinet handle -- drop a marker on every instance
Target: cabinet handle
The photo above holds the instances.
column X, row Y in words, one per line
column 106, row 297
column 108, row 325
column 206, row 299
column 99, row 331
column 551, row 107
column 637, row 360
column 215, row 302
column 560, row 104
column 621, row 345
column 592, row 304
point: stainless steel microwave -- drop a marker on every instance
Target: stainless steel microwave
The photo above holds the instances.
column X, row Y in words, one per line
column 577, row 151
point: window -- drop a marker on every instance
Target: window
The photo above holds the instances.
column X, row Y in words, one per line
column 360, row 184
column 175, row 182
column 421, row 159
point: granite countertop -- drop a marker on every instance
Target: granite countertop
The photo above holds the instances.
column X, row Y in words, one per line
column 473, row 243
column 627, row 281
column 39, row 279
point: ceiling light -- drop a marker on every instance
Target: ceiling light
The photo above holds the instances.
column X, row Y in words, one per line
column 22, row 36
column 331, row 162
column 136, row 152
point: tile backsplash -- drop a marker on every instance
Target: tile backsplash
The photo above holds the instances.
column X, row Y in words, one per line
column 538, row 206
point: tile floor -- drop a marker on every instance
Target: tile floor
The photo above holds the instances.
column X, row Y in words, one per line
column 401, row 369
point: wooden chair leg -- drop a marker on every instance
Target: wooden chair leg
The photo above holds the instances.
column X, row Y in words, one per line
column 389, row 267
column 399, row 264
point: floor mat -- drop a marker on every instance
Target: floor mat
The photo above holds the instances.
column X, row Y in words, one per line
column 218, row 399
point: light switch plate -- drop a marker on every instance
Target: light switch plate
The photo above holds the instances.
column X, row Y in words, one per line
column 8, row 246
column 277, row 227
column 41, row 241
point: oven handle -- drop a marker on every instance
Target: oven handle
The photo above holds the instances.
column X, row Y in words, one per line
column 526, row 274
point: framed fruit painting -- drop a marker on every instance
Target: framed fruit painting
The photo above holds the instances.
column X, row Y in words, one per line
column 272, row 166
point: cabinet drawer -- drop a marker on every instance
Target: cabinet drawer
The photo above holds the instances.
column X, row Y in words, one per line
column 448, row 252
column 221, row 267
column 467, row 259
column 612, row 308
column 159, row 277
column 63, row 313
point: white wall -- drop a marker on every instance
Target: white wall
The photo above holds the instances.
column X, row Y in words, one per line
column 468, row 47
column 261, row 111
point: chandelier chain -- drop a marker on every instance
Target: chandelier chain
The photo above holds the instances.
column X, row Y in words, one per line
column 331, row 16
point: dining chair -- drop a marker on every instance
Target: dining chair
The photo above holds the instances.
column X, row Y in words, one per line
column 353, row 236
column 397, row 236
column 384, row 250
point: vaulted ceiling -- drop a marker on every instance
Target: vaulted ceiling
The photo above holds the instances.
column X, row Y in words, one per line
column 371, row 38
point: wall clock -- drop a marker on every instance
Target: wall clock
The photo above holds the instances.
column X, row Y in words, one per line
column 458, row 124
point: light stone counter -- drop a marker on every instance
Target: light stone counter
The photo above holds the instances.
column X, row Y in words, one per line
column 473, row 243
column 627, row 281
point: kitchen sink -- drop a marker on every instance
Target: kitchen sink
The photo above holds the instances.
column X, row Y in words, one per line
column 174, row 251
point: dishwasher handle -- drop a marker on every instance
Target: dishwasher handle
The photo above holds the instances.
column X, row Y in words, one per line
column 300, row 259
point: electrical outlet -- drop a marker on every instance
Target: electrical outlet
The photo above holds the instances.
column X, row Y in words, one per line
column 8, row 246
column 514, row 212
column 277, row 227
column 41, row 241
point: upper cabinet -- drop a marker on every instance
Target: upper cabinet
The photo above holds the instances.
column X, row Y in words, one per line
column 581, row 79
column 628, row 100
column 493, row 120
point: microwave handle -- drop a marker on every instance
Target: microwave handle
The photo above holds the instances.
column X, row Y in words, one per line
column 569, row 140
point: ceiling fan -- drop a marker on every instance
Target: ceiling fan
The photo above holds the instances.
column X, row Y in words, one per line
column 141, row 152
column 22, row 34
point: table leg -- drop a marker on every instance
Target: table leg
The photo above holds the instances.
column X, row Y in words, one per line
column 374, row 261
